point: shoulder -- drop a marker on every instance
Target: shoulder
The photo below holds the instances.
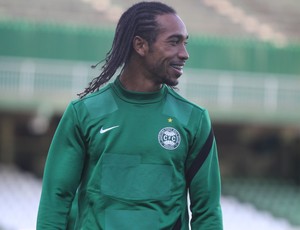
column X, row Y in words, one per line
column 179, row 100
column 102, row 92
column 97, row 103
column 182, row 108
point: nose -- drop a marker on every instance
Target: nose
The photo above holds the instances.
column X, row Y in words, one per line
column 183, row 53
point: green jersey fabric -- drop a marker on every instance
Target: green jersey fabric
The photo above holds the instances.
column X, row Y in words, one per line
column 127, row 155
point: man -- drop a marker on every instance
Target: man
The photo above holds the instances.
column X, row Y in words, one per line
column 134, row 149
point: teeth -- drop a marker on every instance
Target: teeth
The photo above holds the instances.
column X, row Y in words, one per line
column 179, row 67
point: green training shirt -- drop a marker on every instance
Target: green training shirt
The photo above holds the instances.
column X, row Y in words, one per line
column 132, row 158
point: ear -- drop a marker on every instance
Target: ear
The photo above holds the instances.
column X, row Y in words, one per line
column 140, row 45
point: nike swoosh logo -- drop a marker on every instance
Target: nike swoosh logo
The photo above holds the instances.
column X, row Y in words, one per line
column 108, row 129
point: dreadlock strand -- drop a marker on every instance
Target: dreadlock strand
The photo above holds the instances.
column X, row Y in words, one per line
column 138, row 20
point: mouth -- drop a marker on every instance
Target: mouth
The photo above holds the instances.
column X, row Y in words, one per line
column 178, row 66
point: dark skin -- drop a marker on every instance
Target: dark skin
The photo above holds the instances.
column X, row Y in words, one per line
column 162, row 63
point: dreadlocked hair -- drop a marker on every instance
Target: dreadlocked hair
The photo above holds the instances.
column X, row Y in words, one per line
column 138, row 20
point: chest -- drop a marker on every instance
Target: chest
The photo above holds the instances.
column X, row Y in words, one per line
column 147, row 132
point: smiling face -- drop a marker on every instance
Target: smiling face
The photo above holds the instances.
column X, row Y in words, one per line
column 166, row 57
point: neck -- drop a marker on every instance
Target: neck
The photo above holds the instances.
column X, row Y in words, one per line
column 134, row 79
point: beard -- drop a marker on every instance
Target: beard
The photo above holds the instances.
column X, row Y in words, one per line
column 165, row 76
column 170, row 81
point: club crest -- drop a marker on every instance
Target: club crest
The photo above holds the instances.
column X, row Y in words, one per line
column 169, row 138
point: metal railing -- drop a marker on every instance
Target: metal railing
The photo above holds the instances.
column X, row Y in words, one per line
column 242, row 96
column 29, row 84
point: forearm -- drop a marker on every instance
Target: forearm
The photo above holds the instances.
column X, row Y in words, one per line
column 60, row 183
column 62, row 174
column 205, row 193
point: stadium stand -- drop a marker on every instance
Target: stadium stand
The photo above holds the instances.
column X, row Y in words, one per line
column 19, row 197
column 274, row 14
column 199, row 16
column 20, row 192
column 280, row 198
column 244, row 68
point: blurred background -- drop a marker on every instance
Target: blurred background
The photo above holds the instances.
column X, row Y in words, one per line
column 244, row 67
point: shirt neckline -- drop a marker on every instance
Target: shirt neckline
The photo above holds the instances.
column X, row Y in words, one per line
column 137, row 97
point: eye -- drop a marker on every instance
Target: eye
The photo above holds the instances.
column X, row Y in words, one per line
column 174, row 42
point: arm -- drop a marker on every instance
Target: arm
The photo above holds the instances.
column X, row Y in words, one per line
column 62, row 173
column 203, row 179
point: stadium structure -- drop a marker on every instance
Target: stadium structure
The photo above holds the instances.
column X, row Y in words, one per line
column 244, row 68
